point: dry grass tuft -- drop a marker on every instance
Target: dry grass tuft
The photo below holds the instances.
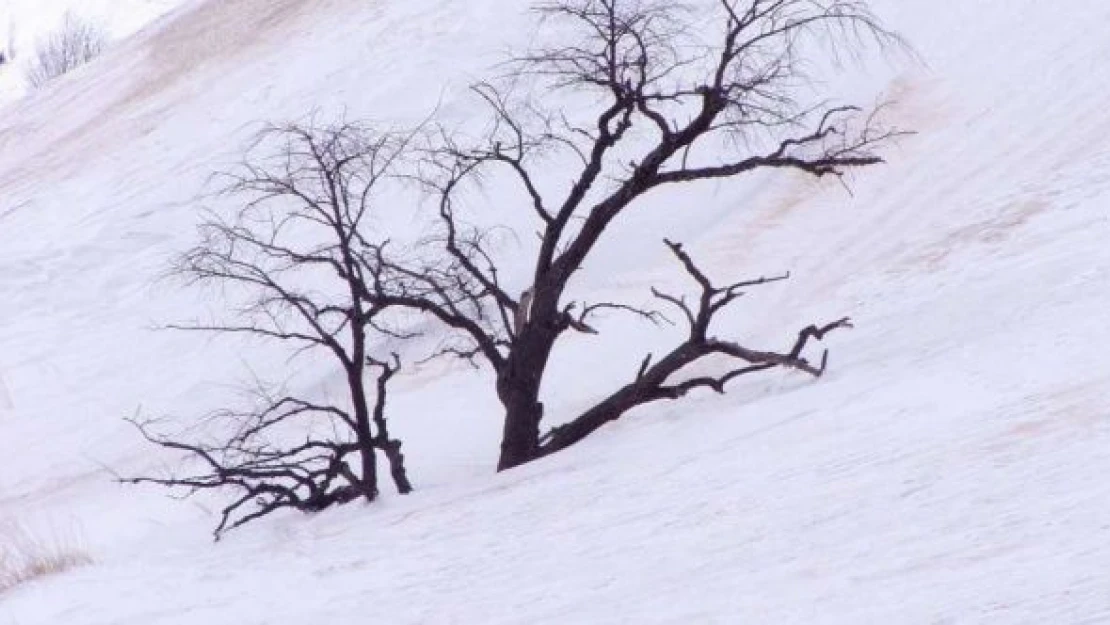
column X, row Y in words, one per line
column 26, row 556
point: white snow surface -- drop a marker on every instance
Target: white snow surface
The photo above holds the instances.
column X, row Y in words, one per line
column 951, row 467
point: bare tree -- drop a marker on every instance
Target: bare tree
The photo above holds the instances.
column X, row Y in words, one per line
column 76, row 42
column 288, row 261
column 637, row 97
column 665, row 105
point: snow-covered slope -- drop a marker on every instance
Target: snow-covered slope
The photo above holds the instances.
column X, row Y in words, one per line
column 950, row 468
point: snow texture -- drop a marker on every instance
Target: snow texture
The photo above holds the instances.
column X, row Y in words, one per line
column 951, row 468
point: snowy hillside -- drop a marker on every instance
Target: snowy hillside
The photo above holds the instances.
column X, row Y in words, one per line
column 950, row 468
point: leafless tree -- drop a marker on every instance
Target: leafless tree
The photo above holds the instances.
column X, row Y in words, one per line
column 639, row 96
column 287, row 260
column 76, row 42
column 673, row 94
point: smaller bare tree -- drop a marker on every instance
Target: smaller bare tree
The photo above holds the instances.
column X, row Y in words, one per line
column 287, row 261
column 76, row 42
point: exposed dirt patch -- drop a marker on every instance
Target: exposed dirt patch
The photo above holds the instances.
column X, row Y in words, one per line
column 214, row 33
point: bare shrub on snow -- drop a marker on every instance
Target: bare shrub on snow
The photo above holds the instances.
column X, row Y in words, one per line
column 76, row 42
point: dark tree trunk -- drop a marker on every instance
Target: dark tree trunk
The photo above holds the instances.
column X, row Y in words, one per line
column 368, row 480
column 518, row 386
column 396, row 459
column 520, row 439
column 369, row 471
